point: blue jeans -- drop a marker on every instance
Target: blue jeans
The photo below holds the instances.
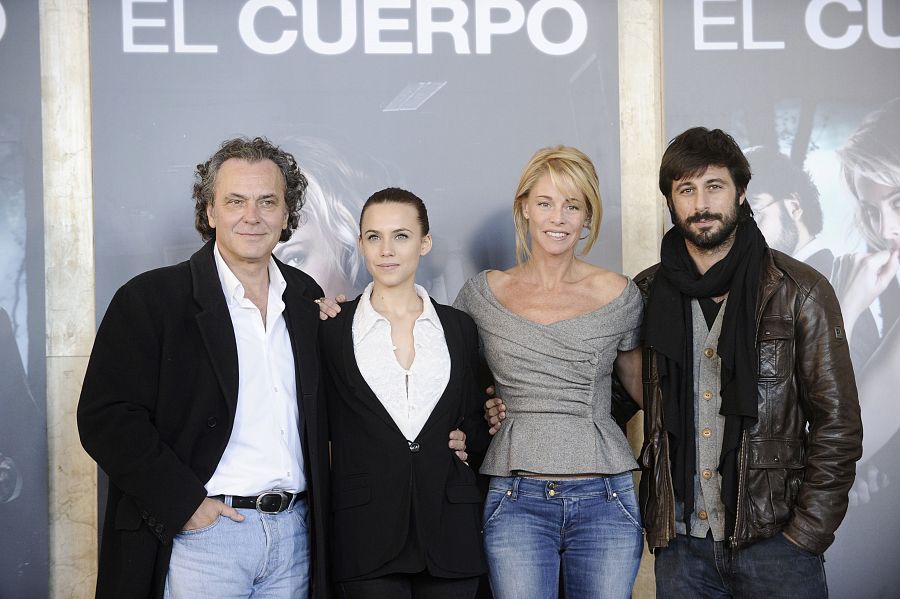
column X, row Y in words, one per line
column 773, row 568
column 589, row 527
column 265, row 556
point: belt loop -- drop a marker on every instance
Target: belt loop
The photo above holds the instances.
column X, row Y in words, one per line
column 515, row 487
column 228, row 500
column 290, row 506
column 609, row 489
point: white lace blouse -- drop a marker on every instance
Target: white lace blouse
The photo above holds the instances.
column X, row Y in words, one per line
column 410, row 395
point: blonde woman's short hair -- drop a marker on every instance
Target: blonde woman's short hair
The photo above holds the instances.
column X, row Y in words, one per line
column 873, row 151
column 568, row 168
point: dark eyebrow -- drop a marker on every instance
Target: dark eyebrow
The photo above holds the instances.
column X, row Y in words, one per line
column 715, row 180
column 264, row 196
column 401, row 230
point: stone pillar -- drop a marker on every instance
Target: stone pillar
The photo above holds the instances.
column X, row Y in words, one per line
column 641, row 139
column 70, row 289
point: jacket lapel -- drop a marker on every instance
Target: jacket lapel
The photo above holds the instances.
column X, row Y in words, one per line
column 355, row 378
column 453, row 335
column 302, row 318
column 214, row 322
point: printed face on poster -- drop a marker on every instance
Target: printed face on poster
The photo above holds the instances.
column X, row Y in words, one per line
column 809, row 90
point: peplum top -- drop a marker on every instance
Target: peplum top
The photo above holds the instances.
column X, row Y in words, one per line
column 555, row 382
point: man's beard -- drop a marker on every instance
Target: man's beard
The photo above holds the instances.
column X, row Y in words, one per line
column 709, row 239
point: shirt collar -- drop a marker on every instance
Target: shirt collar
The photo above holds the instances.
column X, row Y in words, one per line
column 234, row 289
column 366, row 316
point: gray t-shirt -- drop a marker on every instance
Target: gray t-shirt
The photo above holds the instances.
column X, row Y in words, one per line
column 555, row 381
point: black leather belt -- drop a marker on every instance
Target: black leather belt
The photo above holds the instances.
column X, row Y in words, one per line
column 270, row 502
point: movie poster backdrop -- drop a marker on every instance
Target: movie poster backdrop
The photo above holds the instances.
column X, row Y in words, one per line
column 446, row 98
column 23, row 439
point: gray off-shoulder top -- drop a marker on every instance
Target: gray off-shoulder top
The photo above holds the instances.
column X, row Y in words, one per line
column 555, row 381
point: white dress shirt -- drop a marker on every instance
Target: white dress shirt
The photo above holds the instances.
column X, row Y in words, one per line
column 264, row 449
column 410, row 395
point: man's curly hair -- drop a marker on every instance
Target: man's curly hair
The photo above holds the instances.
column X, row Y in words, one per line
column 251, row 150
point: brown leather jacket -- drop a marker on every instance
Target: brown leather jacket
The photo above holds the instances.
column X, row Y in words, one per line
column 792, row 478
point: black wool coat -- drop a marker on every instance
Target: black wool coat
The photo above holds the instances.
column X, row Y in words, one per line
column 157, row 408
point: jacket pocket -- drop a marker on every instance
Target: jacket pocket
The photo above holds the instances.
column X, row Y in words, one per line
column 775, row 340
column 776, row 471
column 463, row 494
column 351, row 492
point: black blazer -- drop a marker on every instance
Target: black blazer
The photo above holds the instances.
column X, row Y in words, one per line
column 378, row 478
column 157, row 409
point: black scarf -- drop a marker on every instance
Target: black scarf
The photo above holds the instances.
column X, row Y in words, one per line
column 670, row 332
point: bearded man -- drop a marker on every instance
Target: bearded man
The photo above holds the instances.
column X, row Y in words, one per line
column 752, row 422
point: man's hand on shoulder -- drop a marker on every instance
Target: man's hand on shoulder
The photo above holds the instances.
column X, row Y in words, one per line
column 207, row 513
column 329, row 308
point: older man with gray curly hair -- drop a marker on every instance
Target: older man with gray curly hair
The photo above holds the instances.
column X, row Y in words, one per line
column 202, row 403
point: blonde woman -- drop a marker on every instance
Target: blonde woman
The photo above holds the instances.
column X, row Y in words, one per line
column 553, row 328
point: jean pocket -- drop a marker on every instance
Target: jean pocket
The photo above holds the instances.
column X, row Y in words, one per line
column 493, row 506
column 202, row 529
column 796, row 548
column 628, row 504
column 301, row 512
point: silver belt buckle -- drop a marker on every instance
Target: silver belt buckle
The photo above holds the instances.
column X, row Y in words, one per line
column 263, row 500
